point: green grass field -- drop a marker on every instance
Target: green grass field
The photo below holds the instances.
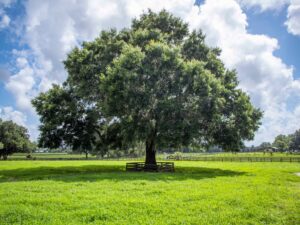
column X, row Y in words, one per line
column 101, row 192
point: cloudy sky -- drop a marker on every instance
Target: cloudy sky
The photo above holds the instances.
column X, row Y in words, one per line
column 259, row 38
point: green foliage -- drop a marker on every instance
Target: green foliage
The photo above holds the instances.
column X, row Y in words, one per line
column 264, row 146
column 13, row 138
column 101, row 192
column 295, row 140
column 67, row 121
column 282, row 142
column 287, row 142
column 158, row 82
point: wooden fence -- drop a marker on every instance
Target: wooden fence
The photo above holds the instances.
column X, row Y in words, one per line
column 244, row 159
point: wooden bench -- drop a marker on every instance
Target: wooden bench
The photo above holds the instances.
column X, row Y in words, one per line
column 158, row 167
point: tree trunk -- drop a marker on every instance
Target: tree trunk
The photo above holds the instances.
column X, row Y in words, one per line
column 86, row 154
column 4, row 154
column 103, row 151
column 150, row 151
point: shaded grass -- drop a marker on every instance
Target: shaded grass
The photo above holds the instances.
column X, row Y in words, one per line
column 101, row 192
column 94, row 173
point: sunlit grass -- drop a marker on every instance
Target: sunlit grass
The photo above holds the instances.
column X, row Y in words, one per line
column 101, row 192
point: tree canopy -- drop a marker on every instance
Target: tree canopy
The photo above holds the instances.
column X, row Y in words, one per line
column 282, row 142
column 155, row 82
column 295, row 140
column 68, row 121
column 13, row 138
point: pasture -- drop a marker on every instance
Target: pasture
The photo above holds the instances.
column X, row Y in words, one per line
column 101, row 192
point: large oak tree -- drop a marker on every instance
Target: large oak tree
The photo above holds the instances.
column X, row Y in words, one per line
column 159, row 82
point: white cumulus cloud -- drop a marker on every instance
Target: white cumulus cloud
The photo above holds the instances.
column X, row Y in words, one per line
column 293, row 18
column 8, row 113
column 20, row 118
column 21, row 84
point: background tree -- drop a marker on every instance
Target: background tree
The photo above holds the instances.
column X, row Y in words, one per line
column 160, row 83
column 264, row 146
column 13, row 138
column 282, row 142
column 295, row 140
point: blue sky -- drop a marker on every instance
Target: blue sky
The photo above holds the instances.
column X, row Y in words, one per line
column 261, row 39
column 272, row 24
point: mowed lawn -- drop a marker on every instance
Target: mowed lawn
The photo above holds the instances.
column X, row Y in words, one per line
column 101, row 192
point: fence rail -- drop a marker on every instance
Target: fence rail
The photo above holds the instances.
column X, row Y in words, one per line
column 243, row 159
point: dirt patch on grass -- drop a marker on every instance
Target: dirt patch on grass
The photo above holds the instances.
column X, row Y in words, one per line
column 298, row 174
